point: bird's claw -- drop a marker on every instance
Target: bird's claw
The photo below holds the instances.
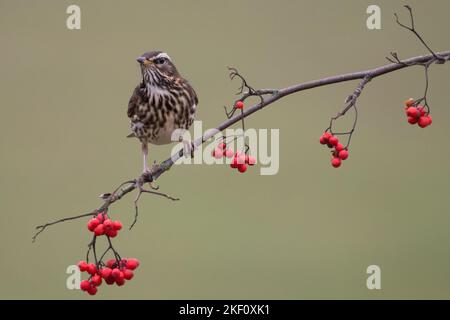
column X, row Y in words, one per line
column 153, row 185
column 147, row 175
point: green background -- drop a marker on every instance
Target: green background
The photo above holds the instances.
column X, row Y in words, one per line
column 308, row 232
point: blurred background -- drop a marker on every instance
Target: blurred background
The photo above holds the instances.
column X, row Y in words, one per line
column 308, row 232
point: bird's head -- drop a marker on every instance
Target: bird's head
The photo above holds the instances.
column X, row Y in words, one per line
column 157, row 64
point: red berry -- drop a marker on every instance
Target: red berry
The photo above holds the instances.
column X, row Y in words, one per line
column 222, row 145
column 96, row 280
column 229, row 153
column 339, row 147
column 251, row 160
column 99, row 230
column 117, row 225
column 108, row 224
column 115, row 273
column 412, row 112
column 128, row 274
column 92, row 224
column 101, row 217
column 105, row 272
column 85, row 285
column 234, row 164
column 110, row 263
column 217, row 153
column 92, row 290
column 83, row 266
column 120, row 281
column 112, row 233
column 421, row 110
column 425, row 121
column 91, row 269
column 239, row 105
column 110, row 280
column 333, row 141
column 242, row 167
column 324, row 138
column 343, row 154
column 132, row 263
column 240, row 158
column 336, row 162
column 412, row 120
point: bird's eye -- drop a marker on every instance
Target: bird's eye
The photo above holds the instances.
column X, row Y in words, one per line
column 160, row 60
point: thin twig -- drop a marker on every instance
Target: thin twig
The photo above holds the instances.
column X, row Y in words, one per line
column 44, row 226
column 414, row 31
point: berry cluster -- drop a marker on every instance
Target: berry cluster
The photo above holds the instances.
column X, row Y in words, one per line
column 240, row 159
column 115, row 272
column 102, row 225
column 222, row 151
column 417, row 114
column 339, row 153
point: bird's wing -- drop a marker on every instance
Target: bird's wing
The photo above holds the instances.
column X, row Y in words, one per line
column 192, row 92
column 133, row 104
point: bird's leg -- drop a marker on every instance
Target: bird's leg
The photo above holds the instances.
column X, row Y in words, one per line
column 147, row 170
column 145, row 153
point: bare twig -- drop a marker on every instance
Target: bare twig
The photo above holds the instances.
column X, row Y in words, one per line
column 414, row 31
column 44, row 226
column 136, row 200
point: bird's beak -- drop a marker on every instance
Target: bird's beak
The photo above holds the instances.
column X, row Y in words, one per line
column 144, row 61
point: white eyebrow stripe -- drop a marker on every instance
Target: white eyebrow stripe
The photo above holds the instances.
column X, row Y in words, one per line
column 163, row 55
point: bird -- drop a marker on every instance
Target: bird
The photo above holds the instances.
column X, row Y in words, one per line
column 163, row 104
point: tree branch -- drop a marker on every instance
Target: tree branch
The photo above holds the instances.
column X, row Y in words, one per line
column 267, row 97
column 280, row 93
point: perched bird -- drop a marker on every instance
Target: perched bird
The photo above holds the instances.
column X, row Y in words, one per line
column 163, row 103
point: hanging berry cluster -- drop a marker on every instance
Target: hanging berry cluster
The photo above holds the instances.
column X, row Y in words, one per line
column 417, row 114
column 222, row 151
column 102, row 225
column 339, row 152
column 241, row 159
column 114, row 271
column 417, row 111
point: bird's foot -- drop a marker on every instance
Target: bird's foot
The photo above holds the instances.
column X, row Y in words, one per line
column 148, row 174
column 153, row 185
